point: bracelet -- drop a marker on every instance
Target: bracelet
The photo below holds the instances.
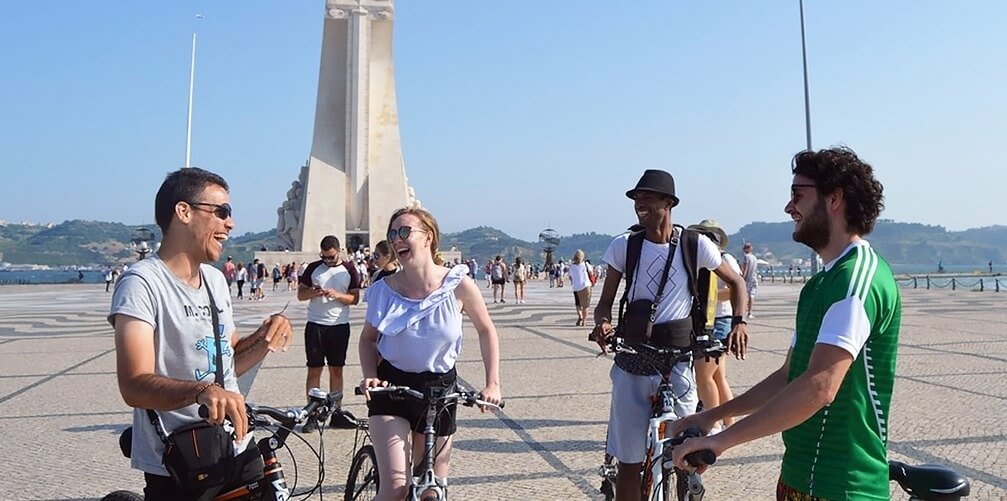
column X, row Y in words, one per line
column 204, row 388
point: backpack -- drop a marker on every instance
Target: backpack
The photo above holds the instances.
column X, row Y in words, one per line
column 698, row 280
column 497, row 271
column 518, row 273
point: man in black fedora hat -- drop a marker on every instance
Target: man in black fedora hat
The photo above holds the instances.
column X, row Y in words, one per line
column 653, row 263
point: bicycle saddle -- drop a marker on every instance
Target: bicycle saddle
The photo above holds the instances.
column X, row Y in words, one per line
column 929, row 481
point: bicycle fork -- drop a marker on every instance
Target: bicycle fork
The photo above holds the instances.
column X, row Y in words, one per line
column 426, row 486
column 273, row 473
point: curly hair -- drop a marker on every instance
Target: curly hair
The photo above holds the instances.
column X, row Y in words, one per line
column 840, row 168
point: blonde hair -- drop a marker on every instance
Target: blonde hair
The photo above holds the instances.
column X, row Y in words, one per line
column 385, row 249
column 578, row 257
column 430, row 225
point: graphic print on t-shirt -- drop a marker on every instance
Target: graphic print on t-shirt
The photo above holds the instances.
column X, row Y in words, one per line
column 208, row 345
column 650, row 277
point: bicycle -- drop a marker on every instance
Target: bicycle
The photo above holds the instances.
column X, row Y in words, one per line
column 280, row 423
column 923, row 483
column 657, row 471
column 362, row 482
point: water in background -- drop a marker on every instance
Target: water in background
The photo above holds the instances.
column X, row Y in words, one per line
column 50, row 277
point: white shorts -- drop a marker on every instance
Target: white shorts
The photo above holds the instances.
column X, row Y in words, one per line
column 631, row 406
column 752, row 288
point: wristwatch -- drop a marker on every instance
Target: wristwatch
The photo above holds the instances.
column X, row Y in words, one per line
column 737, row 319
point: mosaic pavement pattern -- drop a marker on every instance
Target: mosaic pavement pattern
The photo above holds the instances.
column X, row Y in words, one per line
column 61, row 412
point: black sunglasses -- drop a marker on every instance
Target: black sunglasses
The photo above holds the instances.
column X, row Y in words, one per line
column 403, row 233
column 223, row 211
column 329, row 258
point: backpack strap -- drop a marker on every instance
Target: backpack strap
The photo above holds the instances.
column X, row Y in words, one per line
column 701, row 283
column 634, row 246
column 218, row 373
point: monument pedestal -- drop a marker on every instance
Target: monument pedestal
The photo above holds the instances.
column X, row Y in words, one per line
column 269, row 258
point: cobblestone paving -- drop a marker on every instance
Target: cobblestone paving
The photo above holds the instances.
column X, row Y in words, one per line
column 61, row 412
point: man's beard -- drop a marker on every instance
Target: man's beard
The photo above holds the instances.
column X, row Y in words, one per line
column 815, row 229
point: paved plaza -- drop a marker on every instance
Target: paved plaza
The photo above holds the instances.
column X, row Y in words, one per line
column 61, row 412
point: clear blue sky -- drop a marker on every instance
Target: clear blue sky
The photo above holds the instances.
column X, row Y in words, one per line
column 518, row 115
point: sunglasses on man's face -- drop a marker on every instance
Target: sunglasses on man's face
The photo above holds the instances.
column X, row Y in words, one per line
column 403, row 233
column 223, row 211
column 329, row 258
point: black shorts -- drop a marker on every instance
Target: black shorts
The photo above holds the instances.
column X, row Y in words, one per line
column 499, row 281
column 326, row 342
column 412, row 410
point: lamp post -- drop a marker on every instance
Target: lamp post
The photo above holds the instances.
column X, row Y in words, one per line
column 807, row 110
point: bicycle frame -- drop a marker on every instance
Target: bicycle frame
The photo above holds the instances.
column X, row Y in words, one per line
column 427, row 480
column 659, row 447
column 424, row 484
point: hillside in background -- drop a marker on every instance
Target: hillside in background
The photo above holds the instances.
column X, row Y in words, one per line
column 95, row 243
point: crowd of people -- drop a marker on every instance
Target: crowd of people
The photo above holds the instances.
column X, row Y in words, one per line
column 830, row 398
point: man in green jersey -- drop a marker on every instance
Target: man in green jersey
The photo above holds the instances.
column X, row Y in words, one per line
column 830, row 399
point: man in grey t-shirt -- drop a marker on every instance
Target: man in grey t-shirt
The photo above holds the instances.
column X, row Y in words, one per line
column 750, row 272
column 164, row 332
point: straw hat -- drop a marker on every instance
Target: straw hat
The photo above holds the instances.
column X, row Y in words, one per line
column 712, row 229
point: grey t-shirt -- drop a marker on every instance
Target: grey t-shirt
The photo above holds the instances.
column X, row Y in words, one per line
column 750, row 265
column 184, row 347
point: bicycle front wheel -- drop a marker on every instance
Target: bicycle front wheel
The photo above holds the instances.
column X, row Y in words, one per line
column 362, row 482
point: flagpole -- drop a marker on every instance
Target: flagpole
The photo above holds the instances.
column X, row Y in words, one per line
column 188, row 118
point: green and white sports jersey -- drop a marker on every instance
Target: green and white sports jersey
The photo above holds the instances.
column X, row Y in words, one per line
column 840, row 452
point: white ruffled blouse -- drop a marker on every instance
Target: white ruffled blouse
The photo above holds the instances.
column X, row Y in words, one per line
column 418, row 335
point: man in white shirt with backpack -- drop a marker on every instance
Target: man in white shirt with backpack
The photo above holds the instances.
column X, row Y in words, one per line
column 643, row 257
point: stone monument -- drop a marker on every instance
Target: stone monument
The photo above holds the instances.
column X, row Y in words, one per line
column 355, row 176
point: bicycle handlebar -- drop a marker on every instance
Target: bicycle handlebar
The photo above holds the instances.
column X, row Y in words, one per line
column 293, row 416
column 708, row 348
column 464, row 397
column 697, row 458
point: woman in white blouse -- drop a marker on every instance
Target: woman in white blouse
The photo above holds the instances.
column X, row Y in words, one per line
column 412, row 337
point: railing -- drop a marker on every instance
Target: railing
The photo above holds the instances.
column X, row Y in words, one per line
column 980, row 284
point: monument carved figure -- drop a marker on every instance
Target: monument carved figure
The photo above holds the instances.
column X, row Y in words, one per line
column 355, row 175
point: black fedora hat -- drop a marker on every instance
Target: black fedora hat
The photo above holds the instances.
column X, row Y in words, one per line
column 656, row 181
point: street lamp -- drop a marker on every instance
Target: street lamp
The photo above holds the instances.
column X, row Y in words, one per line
column 141, row 241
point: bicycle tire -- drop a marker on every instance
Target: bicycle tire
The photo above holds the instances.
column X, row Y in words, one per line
column 362, row 481
column 123, row 496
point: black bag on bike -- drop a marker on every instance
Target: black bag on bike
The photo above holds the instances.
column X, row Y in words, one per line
column 198, row 457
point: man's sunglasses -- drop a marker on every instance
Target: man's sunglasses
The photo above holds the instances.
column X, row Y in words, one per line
column 223, row 211
column 329, row 258
column 403, row 233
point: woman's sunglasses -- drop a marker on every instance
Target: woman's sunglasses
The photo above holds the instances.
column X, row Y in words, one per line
column 223, row 211
column 403, row 233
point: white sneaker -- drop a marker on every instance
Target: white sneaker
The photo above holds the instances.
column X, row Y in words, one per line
column 750, row 316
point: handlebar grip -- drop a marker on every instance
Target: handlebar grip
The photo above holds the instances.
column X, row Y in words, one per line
column 356, row 391
column 700, row 458
column 204, row 412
